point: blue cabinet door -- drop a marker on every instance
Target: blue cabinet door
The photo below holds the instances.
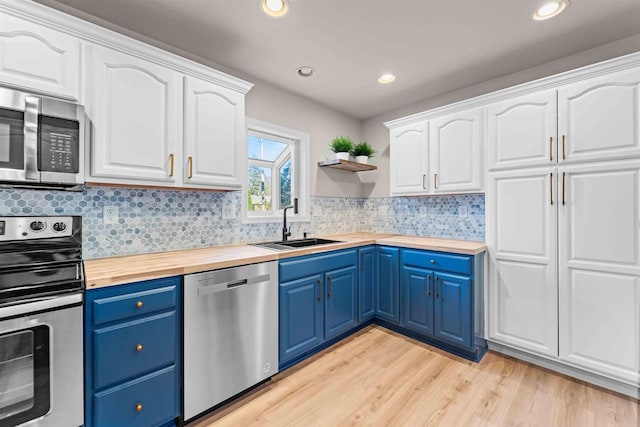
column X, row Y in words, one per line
column 452, row 305
column 366, row 284
column 386, row 267
column 301, row 316
column 341, row 301
column 418, row 292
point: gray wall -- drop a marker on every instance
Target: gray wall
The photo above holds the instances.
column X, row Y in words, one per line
column 378, row 135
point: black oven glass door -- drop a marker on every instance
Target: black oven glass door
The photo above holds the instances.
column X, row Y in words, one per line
column 11, row 139
column 25, row 377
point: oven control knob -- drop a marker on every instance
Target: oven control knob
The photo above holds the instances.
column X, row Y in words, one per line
column 37, row 226
column 59, row 226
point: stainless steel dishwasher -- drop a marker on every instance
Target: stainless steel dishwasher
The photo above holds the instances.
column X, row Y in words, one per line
column 230, row 333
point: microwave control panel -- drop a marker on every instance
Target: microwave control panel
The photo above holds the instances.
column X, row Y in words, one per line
column 59, row 141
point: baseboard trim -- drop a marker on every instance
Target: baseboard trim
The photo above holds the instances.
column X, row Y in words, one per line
column 557, row 366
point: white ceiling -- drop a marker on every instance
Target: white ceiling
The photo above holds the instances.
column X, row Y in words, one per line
column 432, row 46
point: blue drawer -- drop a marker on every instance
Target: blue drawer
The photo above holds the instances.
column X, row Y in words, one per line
column 155, row 393
column 438, row 261
column 123, row 307
column 296, row 268
column 115, row 349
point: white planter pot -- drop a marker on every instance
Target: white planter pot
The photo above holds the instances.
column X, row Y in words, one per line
column 362, row 159
column 342, row 156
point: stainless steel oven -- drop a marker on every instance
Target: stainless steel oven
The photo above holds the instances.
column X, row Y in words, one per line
column 41, row 141
column 41, row 297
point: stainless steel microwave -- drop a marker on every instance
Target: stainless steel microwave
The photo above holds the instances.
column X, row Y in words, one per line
column 41, row 141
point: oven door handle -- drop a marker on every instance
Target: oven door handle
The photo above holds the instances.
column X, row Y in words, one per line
column 41, row 304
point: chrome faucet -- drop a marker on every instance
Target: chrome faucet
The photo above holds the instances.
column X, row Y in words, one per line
column 286, row 232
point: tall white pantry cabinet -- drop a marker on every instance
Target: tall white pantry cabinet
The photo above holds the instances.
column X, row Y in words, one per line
column 563, row 224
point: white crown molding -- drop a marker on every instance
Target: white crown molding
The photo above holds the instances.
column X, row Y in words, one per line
column 594, row 70
column 92, row 33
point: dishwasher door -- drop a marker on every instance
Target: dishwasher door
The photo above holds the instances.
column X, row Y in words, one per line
column 230, row 333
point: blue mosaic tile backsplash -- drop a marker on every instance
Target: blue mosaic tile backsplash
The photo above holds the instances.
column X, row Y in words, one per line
column 160, row 220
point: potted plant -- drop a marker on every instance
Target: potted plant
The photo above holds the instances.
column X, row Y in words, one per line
column 341, row 145
column 362, row 152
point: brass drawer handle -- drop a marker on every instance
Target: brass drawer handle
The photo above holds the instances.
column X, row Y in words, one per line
column 190, row 167
column 564, row 174
column 171, row 159
column 139, row 348
column 435, row 181
column 551, row 188
column 424, row 185
column 551, row 148
column 563, row 155
column 139, row 304
column 139, row 407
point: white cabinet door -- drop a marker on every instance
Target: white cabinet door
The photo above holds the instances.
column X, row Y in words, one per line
column 456, row 152
column 522, row 131
column 599, row 119
column 214, row 134
column 39, row 59
column 136, row 114
column 409, row 163
column 522, row 243
column 599, row 257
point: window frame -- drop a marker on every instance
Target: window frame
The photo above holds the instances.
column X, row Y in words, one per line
column 300, row 174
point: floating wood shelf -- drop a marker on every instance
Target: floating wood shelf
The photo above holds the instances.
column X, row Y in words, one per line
column 347, row 165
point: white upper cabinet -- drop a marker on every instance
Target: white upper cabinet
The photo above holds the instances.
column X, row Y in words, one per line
column 599, row 118
column 522, row 131
column 213, row 134
column 456, row 152
column 599, row 255
column 409, row 168
column 135, row 110
column 37, row 58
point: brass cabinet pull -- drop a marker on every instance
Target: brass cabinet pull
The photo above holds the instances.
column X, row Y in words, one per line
column 436, row 286
column 190, row 167
column 551, row 188
column 319, row 289
column 139, row 304
column 551, row 148
column 424, row 178
column 171, row 161
column 563, row 177
column 435, row 181
column 139, row 407
column 563, row 155
column 429, row 285
column 139, row 348
column 329, row 290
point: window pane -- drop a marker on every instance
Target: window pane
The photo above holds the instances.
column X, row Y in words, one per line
column 285, row 184
column 263, row 149
column 259, row 189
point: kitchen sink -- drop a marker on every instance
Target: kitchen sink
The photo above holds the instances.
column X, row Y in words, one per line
column 283, row 245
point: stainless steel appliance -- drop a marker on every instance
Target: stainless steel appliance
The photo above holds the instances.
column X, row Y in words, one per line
column 230, row 333
column 41, row 296
column 41, row 141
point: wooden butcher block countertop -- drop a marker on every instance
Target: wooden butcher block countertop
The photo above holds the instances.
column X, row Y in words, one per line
column 134, row 268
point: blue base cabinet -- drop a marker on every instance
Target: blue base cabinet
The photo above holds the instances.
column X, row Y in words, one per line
column 366, row 283
column 386, row 284
column 431, row 296
column 318, row 297
column 442, row 298
column 132, row 354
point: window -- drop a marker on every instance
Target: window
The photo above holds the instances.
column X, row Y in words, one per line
column 277, row 172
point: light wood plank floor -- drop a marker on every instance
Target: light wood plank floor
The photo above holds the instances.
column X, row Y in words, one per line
column 379, row 378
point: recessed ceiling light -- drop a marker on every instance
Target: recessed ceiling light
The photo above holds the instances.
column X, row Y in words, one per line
column 549, row 10
column 386, row 78
column 305, row 71
column 275, row 8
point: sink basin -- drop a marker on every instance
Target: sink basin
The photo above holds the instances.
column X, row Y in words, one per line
column 293, row 244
